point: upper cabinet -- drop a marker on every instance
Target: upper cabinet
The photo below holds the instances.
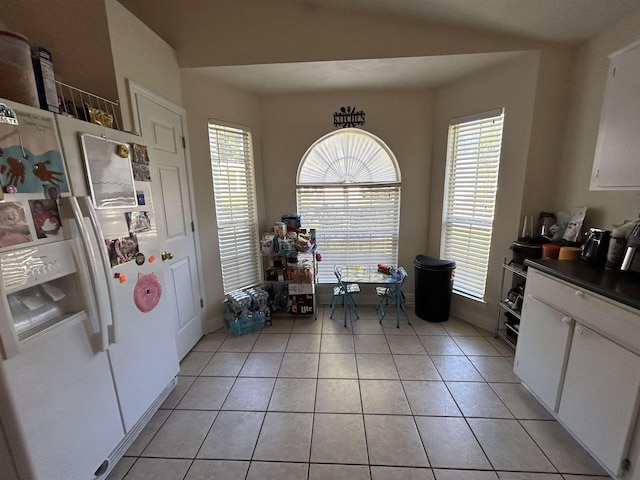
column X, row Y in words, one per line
column 617, row 158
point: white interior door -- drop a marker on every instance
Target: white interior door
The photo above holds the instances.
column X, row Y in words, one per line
column 162, row 129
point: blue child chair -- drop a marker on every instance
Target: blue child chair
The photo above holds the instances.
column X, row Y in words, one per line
column 344, row 291
column 393, row 293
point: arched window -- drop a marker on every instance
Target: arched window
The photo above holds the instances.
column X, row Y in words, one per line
column 348, row 189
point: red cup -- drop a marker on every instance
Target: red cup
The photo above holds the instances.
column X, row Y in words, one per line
column 550, row 250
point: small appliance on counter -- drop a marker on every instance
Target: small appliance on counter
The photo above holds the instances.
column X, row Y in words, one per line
column 523, row 250
column 596, row 247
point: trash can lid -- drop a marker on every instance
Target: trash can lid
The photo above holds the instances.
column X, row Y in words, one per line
column 428, row 263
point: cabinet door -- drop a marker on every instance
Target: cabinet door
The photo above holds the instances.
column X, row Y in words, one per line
column 599, row 396
column 541, row 349
column 616, row 161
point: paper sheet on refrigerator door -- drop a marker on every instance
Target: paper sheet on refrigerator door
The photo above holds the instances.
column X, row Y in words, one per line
column 30, row 154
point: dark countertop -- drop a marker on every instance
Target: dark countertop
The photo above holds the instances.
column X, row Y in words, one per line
column 623, row 287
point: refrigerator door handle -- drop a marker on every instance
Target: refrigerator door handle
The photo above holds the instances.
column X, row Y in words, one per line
column 106, row 267
column 104, row 311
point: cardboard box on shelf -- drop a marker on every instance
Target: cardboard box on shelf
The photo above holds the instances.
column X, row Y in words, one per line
column 301, row 288
column 301, row 275
column 274, row 274
column 301, row 304
column 266, row 246
column 266, row 242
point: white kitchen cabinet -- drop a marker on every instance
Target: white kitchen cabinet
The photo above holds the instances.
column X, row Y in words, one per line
column 616, row 159
column 599, row 395
column 541, row 350
column 579, row 353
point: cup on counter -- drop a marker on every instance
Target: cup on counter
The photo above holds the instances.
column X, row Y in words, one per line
column 569, row 253
column 550, row 250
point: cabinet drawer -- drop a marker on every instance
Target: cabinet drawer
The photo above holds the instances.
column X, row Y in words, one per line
column 613, row 320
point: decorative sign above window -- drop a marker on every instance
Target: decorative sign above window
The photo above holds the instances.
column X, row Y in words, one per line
column 348, row 117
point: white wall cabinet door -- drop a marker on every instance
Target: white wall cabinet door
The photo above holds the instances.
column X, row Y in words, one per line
column 540, row 352
column 599, row 397
column 616, row 160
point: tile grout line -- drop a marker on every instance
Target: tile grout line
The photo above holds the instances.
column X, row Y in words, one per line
column 317, row 378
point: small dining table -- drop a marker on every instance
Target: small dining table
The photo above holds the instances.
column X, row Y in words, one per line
column 365, row 274
column 369, row 274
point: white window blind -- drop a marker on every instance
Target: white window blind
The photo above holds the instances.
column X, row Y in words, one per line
column 349, row 191
column 355, row 225
column 473, row 160
column 235, row 202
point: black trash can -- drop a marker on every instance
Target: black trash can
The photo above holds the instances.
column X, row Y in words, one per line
column 434, row 284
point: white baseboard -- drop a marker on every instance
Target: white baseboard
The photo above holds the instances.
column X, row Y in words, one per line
column 213, row 324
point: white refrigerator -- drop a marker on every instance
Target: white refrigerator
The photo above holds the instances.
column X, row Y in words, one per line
column 88, row 353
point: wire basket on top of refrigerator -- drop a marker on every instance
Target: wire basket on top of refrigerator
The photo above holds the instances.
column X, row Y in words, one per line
column 86, row 106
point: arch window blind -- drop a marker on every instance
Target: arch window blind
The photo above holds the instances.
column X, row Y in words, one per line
column 235, row 202
column 471, row 184
column 348, row 189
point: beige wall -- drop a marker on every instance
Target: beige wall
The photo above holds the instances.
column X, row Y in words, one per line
column 77, row 35
column 574, row 172
column 99, row 56
column 535, row 89
column 512, row 85
column 205, row 99
column 553, row 88
column 403, row 120
column 139, row 55
column 96, row 46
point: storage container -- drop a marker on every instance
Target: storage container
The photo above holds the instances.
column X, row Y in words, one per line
column 17, row 80
column 433, row 287
column 250, row 323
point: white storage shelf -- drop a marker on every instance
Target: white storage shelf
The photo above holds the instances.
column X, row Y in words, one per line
column 301, row 284
column 509, row 331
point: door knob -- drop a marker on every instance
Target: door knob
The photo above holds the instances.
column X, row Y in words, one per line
column 167, row 256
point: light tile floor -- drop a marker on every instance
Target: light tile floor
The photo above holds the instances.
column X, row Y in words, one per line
column 310, row 399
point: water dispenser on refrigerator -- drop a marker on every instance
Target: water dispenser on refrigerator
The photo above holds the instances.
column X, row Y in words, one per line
column 43, row 288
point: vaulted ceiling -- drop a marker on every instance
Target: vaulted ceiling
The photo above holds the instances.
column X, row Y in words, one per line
column 185, row 23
